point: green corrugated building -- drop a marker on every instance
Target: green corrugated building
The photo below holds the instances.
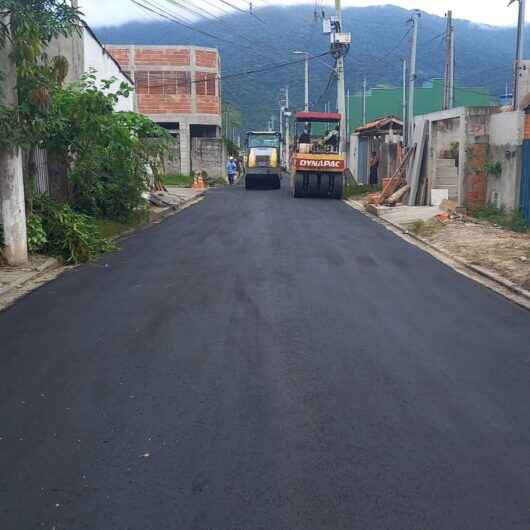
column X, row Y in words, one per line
column 388, row 101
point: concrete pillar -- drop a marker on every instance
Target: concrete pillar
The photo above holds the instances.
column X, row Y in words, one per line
column 185, row 148
column 12, row 207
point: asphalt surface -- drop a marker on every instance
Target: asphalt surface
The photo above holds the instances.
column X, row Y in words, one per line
column 260, row 362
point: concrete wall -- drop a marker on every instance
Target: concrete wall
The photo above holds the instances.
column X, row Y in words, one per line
column 208, row 154
column 96, row 57
column 506, row 141
column 484, row 134
column 83, row 51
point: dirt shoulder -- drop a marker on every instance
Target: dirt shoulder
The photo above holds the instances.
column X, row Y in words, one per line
column 502, row 251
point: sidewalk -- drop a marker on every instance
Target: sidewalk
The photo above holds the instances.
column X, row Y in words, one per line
column 500, row 255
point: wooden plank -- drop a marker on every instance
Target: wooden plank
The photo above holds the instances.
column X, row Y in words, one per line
column 420, row 137
column 395, row 181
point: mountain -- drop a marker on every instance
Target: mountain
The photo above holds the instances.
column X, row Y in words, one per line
column 484, row 54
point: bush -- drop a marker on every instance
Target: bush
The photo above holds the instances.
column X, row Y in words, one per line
column 510, row 219
column 70, row 235
column 37, row 238
column 112, row 153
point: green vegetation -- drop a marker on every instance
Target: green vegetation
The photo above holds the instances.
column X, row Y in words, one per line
column 60, row 231
column 510, row 219
column 493, row 168
column 182, row 181
column 425, row 228
column 352, row 191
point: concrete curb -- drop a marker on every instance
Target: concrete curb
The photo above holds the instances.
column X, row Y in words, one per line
column 485, row 273
column 52, row 263
column 49, row 265
column 160, row 216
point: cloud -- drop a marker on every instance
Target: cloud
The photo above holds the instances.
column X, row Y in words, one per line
column 115, row 12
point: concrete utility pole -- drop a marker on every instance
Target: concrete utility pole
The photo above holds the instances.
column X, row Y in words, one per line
column 364, row 101
column 341, row 93
column 306, row 98
column 412, row 79
column 449, row 76
column 404, row 104
column 520, row 50
column 12, row 210
column 348, row 111
column 287, row 132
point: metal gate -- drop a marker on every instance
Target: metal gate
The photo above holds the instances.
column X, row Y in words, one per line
column 525, row 181
column 362, row 169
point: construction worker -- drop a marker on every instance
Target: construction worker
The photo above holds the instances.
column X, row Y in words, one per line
column 231, row 169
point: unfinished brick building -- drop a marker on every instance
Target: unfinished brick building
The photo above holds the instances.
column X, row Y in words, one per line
column 177, row 87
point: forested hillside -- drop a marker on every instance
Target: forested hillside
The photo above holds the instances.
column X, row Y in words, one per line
column 484, row 54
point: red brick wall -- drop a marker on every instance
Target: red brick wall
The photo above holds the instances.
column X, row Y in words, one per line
column 155, row 88
column 162, row 56
column 157, row 104
column 121, row 55
column 475, row 176
column 206, row 59
column 208, row 105
column 527, row 127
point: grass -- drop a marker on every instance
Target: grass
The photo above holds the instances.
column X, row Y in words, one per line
column 112, row 229
column 510, row 219
column 352, row 191
column 182, row 181
column 425, row 228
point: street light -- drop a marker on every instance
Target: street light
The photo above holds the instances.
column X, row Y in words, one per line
column 306, row 55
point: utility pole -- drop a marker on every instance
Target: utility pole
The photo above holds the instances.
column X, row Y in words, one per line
column 348, row 112
column 12, row 207
column 340, row 48
column 272, row 122
column 364, row 101
column 404, row 104
column 449, row 76
column 287, row 132
column 520, row 51
column 412, row 79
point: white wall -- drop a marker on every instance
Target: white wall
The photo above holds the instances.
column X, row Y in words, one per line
column 507, row 128
column 98, row 58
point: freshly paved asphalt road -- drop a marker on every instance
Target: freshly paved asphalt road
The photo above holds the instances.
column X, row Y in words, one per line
column 258, row 362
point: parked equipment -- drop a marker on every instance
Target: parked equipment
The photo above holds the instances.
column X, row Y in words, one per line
column 318, row 166
column 263, row 167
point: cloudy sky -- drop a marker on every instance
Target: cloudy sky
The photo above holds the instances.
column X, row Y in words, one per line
column 493, row 12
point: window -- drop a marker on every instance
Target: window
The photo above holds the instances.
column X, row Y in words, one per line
column 206, row 84
column 142, row 82
column 184, row 83
column 156, row 83
column 170, row 83
column 163, row 83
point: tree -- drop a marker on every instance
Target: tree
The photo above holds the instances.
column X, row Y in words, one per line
column 26, row 28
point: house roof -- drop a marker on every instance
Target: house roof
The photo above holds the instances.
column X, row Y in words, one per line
column 381, row 124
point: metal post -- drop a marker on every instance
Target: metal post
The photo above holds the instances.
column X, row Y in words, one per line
column 519, row 52
column 404, row 104
column 12, row 204
column 412, row 78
